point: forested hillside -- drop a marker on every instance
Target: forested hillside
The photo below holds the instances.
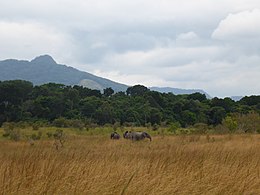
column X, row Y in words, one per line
column 44, row 69
column 139, row 106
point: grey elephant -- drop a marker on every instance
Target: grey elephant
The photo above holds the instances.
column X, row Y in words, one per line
column 115, row 135
column 136, row 136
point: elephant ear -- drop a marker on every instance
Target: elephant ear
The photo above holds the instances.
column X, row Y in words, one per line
column 112, row 135
column 125, row 133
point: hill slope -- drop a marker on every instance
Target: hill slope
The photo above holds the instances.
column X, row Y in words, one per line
column 44, row 69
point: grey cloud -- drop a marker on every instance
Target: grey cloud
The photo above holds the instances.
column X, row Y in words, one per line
column 193, row 44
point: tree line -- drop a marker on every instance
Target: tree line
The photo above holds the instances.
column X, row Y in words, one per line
column 22, row 101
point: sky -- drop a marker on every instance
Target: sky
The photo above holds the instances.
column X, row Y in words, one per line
column 212, row 45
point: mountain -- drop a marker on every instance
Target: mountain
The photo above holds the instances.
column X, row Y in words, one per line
column 178, row 91
column 236, row 98
column 44, row 69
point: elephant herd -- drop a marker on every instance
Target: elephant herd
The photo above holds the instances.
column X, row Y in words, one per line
column 135, row 136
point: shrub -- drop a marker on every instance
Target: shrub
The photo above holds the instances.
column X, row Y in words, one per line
column 155, row 127
column 59, row 137
column 76, row 124
column 8, row 128
column 49, row 134
column 35, row 126
column 201, row 128
column 61, row 122
column 174, row 126
column 116, row 126
column 36, row 137
column 230, row 123
column 15, row 135
column 248, row 122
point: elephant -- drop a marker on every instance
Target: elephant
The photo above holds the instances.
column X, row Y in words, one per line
column 115, row 135
column 136, row 136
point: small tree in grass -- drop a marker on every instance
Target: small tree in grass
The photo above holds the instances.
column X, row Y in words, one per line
column 230, row 123
column 59, row 137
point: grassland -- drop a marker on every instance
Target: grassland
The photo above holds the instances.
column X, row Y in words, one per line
column 94, row 164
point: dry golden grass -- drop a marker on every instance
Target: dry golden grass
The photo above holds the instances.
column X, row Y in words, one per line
column 167, row 165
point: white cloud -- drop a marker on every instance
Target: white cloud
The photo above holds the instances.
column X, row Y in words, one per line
column 27, row 40
column 240, row 26
column 187, row 36
column 213, row 45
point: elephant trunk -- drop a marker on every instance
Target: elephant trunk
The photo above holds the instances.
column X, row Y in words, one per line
column 147, row 136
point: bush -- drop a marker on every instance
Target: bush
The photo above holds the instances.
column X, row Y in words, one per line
column 116, row 126
column 15, row 135
column 22, row 125
column 8, row 128
column 49, row 134
column 230, row 123
column 60, row 122
column 187, row 131
column 248, row 122
column 155, row 127
column 201, row 128
column 35, row 126
column 36, row 137
column 174, row 127
column 59, row 137
column 76, row 124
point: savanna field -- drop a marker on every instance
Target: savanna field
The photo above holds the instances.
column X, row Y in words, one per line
column 95, row 164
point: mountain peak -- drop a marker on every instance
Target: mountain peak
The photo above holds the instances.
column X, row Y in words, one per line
column 44, row 59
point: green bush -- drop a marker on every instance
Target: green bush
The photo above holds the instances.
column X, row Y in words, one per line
column 174, row 127
column 49, row 134
column 36, row 137
column 15, row 135
column 186, row 131
column 230, row 123
column 76, row 124
column 8, row 128
column 201, row 128
column 155, row 127
column 61, row 122
column 35, row 126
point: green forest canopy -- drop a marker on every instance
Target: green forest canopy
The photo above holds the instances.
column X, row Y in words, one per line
column 21, row 101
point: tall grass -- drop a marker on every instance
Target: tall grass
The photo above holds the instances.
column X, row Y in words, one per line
column 167, row 165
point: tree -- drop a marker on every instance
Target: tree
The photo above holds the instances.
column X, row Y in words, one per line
column 197, row 96
column 72, row 96
column 108, row 92
column 250, row 101
column 226, row 103
column 187, row 118
column 104, row 114
column 15, row 92
column 137, row 90
column 155, row 116
column 216, row 115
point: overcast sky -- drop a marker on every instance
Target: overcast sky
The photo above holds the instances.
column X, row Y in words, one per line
column 205, row 44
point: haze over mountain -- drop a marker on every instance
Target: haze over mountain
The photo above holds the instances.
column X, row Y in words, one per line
column 44, row 69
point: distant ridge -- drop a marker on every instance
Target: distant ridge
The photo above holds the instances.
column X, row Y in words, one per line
column 236, row 98
column 178, row 91
column 44, row 69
